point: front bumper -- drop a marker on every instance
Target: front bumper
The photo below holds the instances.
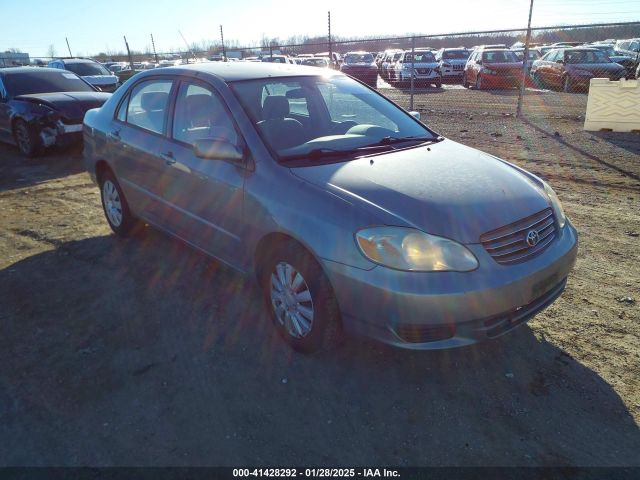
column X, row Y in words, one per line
column 501, row 81
column 438, row 310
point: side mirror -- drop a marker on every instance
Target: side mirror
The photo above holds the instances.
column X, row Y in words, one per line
column 560, row 61
column 415, row 115
column 479, row 62
column 217, row 149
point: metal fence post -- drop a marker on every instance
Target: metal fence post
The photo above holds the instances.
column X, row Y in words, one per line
column 329, row 38
column 413, row 61
column 524, row 64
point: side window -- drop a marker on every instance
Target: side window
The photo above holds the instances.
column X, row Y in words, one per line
column 292, row 92
column 121, row 115
column 148, row 105
column 635, row 46
column 201, row 114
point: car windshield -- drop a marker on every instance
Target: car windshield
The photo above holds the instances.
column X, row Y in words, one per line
column 586, row 56
column 501, row 56
column 455, row 55
column 358, row 58
column 316, row 62
column 87, row 69
column 607, row 50
column 44, row 81
column 421, row 57
column 312, row 118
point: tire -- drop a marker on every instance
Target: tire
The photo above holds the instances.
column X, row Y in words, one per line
column 438, row 84
column 465, row 84
column 115, row 206
column 27, row 139
column 566, row 84
column 478, row 82
column 536, row 80
column 292, row 269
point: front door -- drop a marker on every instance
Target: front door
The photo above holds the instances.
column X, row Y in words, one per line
column 205, row 195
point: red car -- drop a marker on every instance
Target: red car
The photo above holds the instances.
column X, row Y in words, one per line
column 492, row 68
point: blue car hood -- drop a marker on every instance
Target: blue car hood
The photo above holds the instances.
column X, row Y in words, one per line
column 446, row 189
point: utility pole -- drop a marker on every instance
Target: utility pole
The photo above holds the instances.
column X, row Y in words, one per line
column 70, row 54
column 413, row 61
column 153, row 44
column 524, row 63
column 329, row 37
column 224, row 52
column 128, row 53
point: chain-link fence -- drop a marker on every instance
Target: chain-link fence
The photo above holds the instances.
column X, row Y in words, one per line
column 458, row 73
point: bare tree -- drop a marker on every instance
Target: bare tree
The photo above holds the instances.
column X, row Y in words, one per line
column 51, row 51
column 14, row 50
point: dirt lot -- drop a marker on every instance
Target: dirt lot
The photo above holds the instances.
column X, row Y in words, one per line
column 143, row 352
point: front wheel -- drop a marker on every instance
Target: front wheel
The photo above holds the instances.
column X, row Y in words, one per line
column 567, row 86
column 479, row 82
column 28, row 139
column 301, row 300
column 465, row 83
column 115, row 206
column 438, row 84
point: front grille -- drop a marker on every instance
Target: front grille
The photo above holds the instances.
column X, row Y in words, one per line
column 424, row 71
column 458, row 67
column 508, row 245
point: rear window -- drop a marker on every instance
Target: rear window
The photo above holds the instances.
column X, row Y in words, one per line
column 44, row 81
column 87, row 69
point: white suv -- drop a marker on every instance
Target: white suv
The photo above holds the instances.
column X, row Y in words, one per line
column 425, row 68
column 452, row 61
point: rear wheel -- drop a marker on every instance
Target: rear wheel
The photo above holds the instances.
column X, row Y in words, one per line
column 115, row 206
column 300, row 298
column 28, row 139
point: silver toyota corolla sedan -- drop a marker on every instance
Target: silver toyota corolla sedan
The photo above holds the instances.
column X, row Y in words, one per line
column 350, row 213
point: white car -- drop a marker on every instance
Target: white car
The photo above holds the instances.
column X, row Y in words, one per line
column 426, row 69
column 452, row 61
column 91, row 72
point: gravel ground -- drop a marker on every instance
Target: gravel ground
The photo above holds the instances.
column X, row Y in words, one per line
column 144, row 352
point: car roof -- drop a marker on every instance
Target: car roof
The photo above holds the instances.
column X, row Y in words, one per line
column 11, row 70
column 234, row 71
column 77, row 60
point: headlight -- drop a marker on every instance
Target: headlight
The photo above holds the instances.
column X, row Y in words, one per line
column 412, row 250
column 555, row 204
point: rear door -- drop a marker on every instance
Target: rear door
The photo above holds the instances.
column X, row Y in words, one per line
column 136, row 144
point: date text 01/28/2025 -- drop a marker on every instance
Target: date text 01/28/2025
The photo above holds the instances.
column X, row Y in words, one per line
column 315, row 472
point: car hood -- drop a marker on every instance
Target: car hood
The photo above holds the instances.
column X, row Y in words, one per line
column 101, row 79
column 72, row 105
column 445, row 189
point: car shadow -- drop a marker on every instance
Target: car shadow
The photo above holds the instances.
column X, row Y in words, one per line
column 142, row 351
column 17, row 171
column 551, row 134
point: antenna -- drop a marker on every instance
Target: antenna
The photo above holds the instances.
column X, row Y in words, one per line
column 187, row 44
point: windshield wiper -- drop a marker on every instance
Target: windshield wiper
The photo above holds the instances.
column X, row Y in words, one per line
column 392, row 140
column 334, row 152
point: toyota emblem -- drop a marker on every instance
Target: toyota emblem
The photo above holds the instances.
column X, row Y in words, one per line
column 532, row 238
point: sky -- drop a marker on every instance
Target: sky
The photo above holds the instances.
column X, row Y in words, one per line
column 33, row 25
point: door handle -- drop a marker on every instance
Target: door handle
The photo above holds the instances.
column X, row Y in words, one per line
column 168, row 158
column 115, row 135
